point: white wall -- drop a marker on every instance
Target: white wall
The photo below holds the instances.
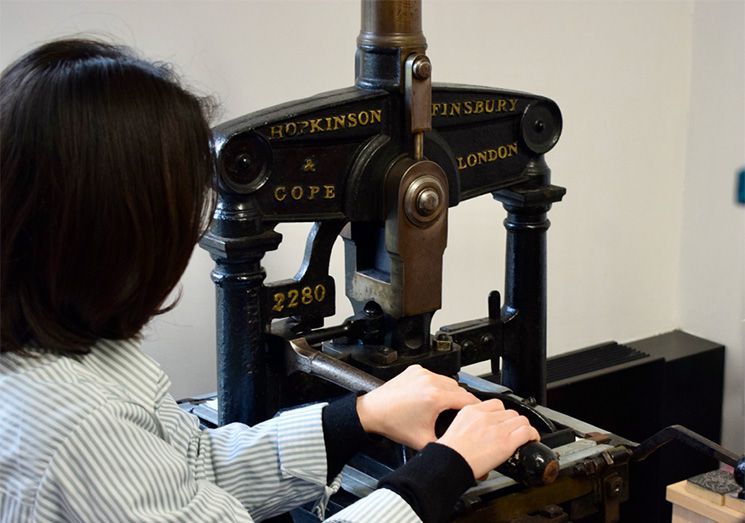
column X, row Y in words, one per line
column 620, row 71
column 712, row 277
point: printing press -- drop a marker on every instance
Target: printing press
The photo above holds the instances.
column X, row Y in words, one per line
column 380, row 164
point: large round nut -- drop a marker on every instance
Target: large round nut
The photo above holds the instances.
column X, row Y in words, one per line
column 424, row 200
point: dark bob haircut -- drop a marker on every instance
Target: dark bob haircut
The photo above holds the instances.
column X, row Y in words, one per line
column 105, row 169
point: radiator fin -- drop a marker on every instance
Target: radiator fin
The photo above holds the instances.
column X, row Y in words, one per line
column 590, row 360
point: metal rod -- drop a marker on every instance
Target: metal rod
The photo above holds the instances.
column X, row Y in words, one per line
column 303, row 358
column 390, row 31
column 418, row 146
column 391, row 24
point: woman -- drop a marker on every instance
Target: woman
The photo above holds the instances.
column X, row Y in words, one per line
column 106, row 171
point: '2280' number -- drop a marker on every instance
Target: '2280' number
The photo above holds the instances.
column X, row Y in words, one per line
column 294, row 297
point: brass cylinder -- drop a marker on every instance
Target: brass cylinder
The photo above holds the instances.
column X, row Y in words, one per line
column 392, row 24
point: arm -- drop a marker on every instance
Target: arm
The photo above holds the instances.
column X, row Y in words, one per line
column 405, row 409
column 425, row 489
column 481, row 437
column 431, row 483
column 272, row 467
column 122, row 463
column 114, row 466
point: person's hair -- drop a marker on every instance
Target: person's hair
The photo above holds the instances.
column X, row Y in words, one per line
column 105, row 174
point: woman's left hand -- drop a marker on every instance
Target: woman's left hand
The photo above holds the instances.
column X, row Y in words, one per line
column 405, row 408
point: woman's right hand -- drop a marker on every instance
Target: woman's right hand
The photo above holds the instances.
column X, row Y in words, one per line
column 486, row 435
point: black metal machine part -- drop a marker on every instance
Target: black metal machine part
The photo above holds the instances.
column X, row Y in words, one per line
column 379, row 164
column 338, row 159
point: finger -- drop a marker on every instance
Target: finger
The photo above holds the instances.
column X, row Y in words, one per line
column 512, row 424
column 459, row 399
column 522, row 435
column 491, row 405
column 500, row 416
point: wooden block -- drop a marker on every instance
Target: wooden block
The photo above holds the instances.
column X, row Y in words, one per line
column 679, row 496
column 712, row 486
column 683, row 515
column 732, row 501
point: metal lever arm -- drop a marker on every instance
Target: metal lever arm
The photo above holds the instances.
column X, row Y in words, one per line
column 533, row 464
column 696, row 442
column 301, row 357
column 690, row 438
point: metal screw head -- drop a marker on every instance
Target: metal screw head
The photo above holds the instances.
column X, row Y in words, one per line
column 384, row 356
column 422, row 67
column 613, row 486
column 427, row 202
column 443, row 342
column 486, row 340
column 372, row 309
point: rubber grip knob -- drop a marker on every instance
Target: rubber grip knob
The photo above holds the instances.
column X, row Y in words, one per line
column 534, row 464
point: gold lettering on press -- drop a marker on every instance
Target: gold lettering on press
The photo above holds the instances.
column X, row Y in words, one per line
column 326, row 124
column 487, row 156
column 304, row 192
column 469, row 107
column 294, row 297
column 309, row 166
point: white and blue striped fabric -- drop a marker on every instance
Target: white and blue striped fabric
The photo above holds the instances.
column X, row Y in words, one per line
column 98, row 438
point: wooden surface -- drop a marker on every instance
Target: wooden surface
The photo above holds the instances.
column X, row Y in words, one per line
column 689, row 508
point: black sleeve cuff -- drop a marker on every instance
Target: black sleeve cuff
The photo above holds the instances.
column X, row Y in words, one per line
column 431, row 482
column 343, row 434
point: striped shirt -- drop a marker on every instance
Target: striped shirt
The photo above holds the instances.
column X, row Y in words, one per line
column 97, row 437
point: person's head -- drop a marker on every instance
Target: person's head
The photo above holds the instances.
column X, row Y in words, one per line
column 105, row 172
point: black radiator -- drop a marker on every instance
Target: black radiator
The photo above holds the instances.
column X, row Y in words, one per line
column 634, row 390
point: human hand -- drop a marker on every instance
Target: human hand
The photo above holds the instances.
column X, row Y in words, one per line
column 405, row 408
column 486, row 435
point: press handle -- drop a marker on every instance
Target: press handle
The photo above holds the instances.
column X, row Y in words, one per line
column 534, row 464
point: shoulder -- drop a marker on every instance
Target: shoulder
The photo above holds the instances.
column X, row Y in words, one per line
column 45, row 395
column 55, row 389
